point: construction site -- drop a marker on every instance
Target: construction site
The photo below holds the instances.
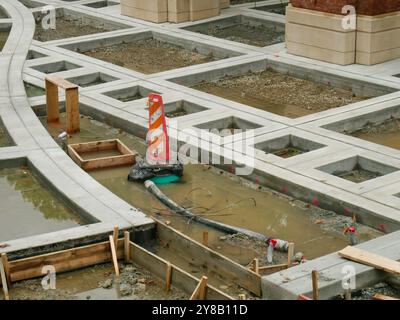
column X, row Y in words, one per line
column 199, row 150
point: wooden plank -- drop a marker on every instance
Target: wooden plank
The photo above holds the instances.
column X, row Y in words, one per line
column 215, row 262
column 314, row 276
column 115, row 236
column 179, row 278
column 60, row 82
column 95, row 146
column 290, row 253
column 127, row 246
column 379, row 296
column 108, row 162
column 272, row 269
column 255, row 266
column 168, row 277
column 4, row 281
column 205, row 238
column 371, row 259
column 6, row 266
column 52, row 103
column 66, row 260
column 114, row 256
column 199, row 292
column 72, row 110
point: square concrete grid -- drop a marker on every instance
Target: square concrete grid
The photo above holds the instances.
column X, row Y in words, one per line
column 311, row 154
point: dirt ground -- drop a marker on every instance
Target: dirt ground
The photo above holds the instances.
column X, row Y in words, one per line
column 358, row 175
column 260, row 36
column 386, row 133
column 3, row 39
column 99, row 283
column 279, row 93
column 149, row 56
column 67, row 28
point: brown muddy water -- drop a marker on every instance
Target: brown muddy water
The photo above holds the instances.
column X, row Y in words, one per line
column 98, row 283
column 221, row 196
column 33, row 91
column 149, row 56
column 30, row 209
column 279, row 93
column 386, row 133
column 3, row 39
column 4, row 140
column 67, row 27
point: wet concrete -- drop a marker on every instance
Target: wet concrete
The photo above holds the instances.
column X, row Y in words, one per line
column 30, row 208
column 279, row 93
column 260, row 35
column 386, row 133
column 149, row 56
column 3, row 39
column 203, row 189
column 67, row 27
column 33, row 91
column 98, row 283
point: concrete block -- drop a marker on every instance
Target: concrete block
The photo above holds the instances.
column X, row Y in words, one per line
column 178, row 11
column 319, row 36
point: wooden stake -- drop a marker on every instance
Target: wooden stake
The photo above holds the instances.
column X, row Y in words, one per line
column 4, row 281
column 53, row 113
column 127, row 247
column 168, row 277
column 114, row 256
column 6, row 266
column 290, row 253
column 72, row 110
column 314, row 276
column 242, row 297
column 255, row 266
column 205, row 238
column 115, row 237
column 200, row 292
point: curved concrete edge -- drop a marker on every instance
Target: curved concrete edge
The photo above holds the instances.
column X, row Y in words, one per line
column 43, row 155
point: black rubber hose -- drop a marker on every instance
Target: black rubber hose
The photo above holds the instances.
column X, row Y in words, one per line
column 151, row 186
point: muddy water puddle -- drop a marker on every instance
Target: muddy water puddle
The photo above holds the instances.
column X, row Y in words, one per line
column 67, row 27
column 3, row 39
column 4, row 140
column 149, row 56
column 30, row 208
column 33, row 91
column 99, row 283
column 386, row 133
column 278, row 93
column 220, row 196
column 255, row 35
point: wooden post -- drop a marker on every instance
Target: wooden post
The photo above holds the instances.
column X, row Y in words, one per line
column 127, row 247
column 242, row 297
column 114, row 256
column 53, row 113
column 255, row 266
column 115, row 238
column 4, row 260
column 72, row 110
column 4, row 281
column 205, row 238
column 290, row 253
column 168, row 277
column 200, row 291
column 314, row 276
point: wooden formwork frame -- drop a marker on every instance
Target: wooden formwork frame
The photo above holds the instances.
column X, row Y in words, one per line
column 126, row 157
column 71, row 102
column 86, row 256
